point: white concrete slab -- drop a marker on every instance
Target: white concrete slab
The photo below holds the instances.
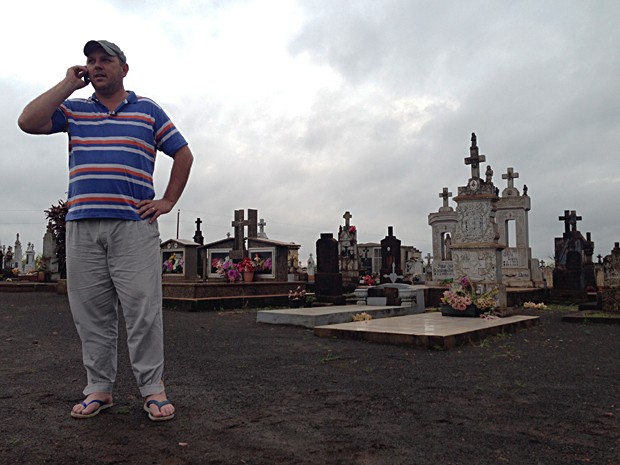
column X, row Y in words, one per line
column 319, row 316
column 426, row 329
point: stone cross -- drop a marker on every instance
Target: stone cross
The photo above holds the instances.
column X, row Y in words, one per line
column 474, row 158
column 570, row 220
column 393, row 276
column 239, row 224
column 347, row 216
column 428, row 258
column 445, row 195
column 261, row 224
column 510, row 176
column 198, row 237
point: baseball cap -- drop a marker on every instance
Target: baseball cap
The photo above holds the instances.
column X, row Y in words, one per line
column 108, row 47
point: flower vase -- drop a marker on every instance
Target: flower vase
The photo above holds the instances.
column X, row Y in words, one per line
column 470, row 311
column 248, row 276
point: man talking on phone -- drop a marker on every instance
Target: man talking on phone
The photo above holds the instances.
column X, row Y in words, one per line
column 112, row 237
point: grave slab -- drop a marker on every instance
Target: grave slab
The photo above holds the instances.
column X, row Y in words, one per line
column 427, row 330
column 319, row 316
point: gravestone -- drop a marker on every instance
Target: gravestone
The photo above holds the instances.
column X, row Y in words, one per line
column 179, row 260
column 328, row 279
column 8, row 258
column 311, row 269
column 30, row 257
column 511, row 213
column 443, row 224
column 348, row 259
column 611, row 289
column 476, row 250
column 574, row 269
column 17, row 257
column 390, row 257
column 49, row 261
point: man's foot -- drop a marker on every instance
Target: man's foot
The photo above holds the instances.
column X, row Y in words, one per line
column 92, row 405
column 159, row 407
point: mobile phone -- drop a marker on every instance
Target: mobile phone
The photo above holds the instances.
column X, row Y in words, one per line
column 85, row 77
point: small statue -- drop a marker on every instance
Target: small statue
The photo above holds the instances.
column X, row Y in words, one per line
column 524, row 189
column 489, row 174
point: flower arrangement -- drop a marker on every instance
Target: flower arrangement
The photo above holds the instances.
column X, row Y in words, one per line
column 226, row 268
column 352, row 229
column 362, row 317
column 260, row 263
column 368, row 280
column 247, row 264
column 540, row 306
column 462, row 294
column 297, row 294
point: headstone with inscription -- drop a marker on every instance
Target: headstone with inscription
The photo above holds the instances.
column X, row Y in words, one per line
column 348, row 259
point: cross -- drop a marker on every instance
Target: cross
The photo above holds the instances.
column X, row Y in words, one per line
column 445, row 195
column 428, row 258
column 198, row 237
column 347, row 216
column 570, row 220
column 474, row 158
column 510, row 175
column 239, row 224
column 599, row 256
column 393, row 276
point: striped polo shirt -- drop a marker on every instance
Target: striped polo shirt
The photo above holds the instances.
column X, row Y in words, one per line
column 112, row 154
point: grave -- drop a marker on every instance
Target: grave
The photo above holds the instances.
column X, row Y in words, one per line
column 391, row 270
column 476, row 250
column 574, row 273
column 611, row 289
column 179, row 260
column 348, row 259
column 211, row 290
column 443, row 225
column 328, row 280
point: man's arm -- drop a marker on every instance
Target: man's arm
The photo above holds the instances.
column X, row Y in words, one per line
column 179, row 174
column 36, row 118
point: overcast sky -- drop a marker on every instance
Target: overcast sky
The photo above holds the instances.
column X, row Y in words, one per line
column 306, row 109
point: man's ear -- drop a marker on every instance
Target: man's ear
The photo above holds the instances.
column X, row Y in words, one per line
column 125, row 68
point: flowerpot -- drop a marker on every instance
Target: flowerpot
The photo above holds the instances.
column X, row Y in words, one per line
column 248, row 276
column 470, row 311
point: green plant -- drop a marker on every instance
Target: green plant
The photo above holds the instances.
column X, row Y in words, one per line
column 57, row 225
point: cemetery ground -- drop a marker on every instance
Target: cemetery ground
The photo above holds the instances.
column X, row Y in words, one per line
column 248, row 393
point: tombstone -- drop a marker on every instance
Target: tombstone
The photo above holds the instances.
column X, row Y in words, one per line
column 443, row 224
column 49, row 261
column 390, row 257
column 511, row 214
column 8, row 258
column 328, row 279
column 17, row 258
column 179, row 260
column 476, row 250
column 574, row 270
column 29, row 267
column 348, row 259
column 611, row 289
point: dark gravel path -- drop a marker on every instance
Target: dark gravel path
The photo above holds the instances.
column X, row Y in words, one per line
column 259, row 394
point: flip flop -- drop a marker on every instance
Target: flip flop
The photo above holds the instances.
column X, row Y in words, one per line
column 102, row 406
column 159, row 406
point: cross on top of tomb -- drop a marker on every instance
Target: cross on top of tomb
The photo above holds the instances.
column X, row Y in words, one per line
column 261, row 232
column 445, row 195
column 198, row 237
column 428, row 258
column 347, row 217
column 239, row 224
column 474, row 158
column 570, row 220
column 510, row 175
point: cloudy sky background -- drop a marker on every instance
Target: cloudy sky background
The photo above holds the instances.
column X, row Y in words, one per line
column 307, row 109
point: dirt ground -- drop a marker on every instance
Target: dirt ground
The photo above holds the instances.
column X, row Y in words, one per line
column 262, row 394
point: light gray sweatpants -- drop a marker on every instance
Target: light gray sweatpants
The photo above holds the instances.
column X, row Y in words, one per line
column 110, row 262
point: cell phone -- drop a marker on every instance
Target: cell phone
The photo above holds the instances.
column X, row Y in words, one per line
column 86, row 77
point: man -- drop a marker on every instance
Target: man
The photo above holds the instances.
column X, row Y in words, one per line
column 112, row 235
